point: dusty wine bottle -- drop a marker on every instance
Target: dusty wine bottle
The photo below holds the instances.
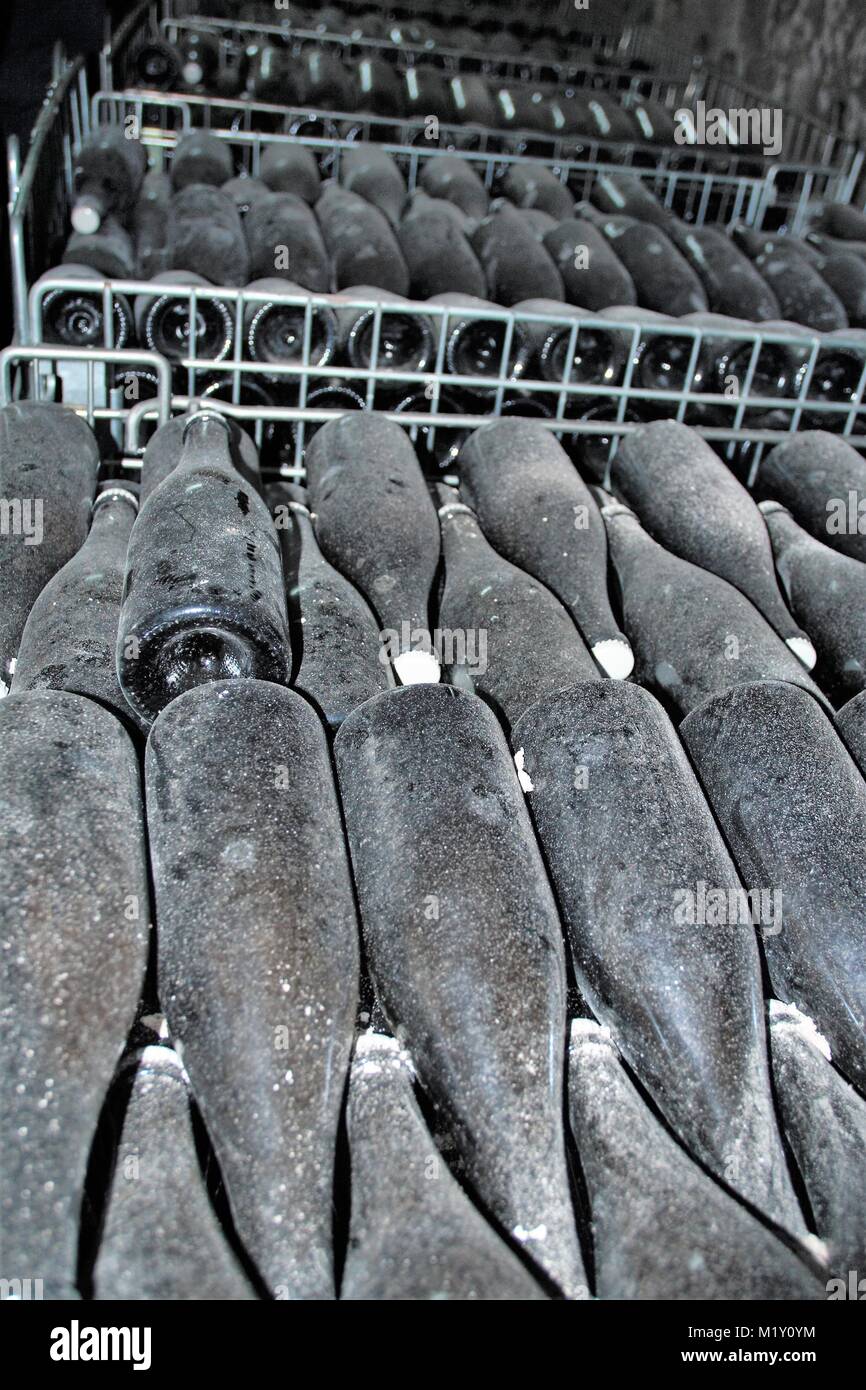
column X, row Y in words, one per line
column 674, row 1233
column 803, row 296
column 534, row 508
column 593, row 276
column 376, row 524
column 438, row 254
column 453, row 178
column 49, row 460
column 244, row 191
column 822, row 482
column 75, row 913
column 150, row 224
column 415, row 1234
column 475, row 345
column 76, row 318
column 200, row 158
column 291, row 168
column 533, row 185
column 458, row 917
column 516, row 264
column 110, row 251
column 324, row 80
column 275, row 332
column 161, row 1238
column 826, row 592
column 155, row 64
column 376, row 177
column 70, row 637
column 165, row 450
column 107, row 177
column 360, row 242
column 205, row 229
column 511, row 640
column 663, row 278
column 691, row 503
column 335, row 638
column 235, row 772
column 851, row 723
column 792, row 806
column 627, row 195
column 692, row 632
column 377, row 88
column 588, row 757
column 406, row 340
column 732, row 283
column 284, row 239
column 825, row 1124
column 203, row 595
column 172, row 324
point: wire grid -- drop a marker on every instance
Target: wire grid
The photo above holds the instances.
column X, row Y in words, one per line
column 615, row 400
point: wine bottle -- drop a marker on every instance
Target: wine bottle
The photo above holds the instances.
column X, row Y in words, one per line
column 49, row 460
column 670, row 908
column 536, row 511
column 825, row 1123
column 284, row 239
column 693, row 633
column 532, row 185
column 465, row 949
column 407, row 342
column 792, row 807
column 200, row 158
column 836, row 377
column 844, row 221
column 425, row 93
column 76, row 318
column 655, row 122
column 822, row 482
column 236, row 771
column 167, row 324
column 200, row 57
column 475, row 344
column 733, row 285
column 165, row 450
column 161, row 1238
column 803, row 295
column 150, row 225
column 245, row 191
column 324, row 80
column 691, row 503
column 376, row 524
column 415, row 1235
column 597, row 357
column 375, row 176
column 663, row 278
column 291, row 168
column 335, row 638
column 472, row 102
column 511, row 640
column 592, row 274
column 517, row 266
column 205, row 229
column 627, row 195
column 360, row 242
column 450, row 177
column 826, row 592
column 274, row 332
column 599, row 116
column 109, row 251
column 851, row 723
column 377, row 88
column 672, row 1233
column 437, row 252
column 273, row 77
column 70, row 636
column 154, row 64
column 74, row 895
column 106, row 177
column 204, row 596
column 538, row 222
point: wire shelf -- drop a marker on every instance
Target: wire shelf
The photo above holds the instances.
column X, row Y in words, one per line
column 580, row 375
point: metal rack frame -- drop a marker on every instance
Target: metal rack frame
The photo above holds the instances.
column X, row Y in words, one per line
column 566, row 399
column 807, row 141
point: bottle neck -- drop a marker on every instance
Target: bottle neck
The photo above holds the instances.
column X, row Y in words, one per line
column 207, row 442
column 114, row 513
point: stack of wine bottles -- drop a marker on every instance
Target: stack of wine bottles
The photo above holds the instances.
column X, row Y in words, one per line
column 676, row 302
column 542, row 806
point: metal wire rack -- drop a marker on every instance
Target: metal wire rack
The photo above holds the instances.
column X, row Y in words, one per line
column 587, row 377
column 806, row 141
